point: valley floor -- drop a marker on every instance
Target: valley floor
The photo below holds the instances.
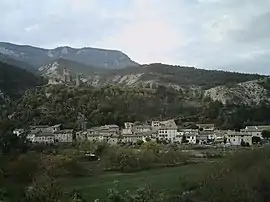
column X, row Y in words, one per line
column 163, row 179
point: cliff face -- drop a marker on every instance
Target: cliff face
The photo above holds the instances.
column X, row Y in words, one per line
column 247, row 93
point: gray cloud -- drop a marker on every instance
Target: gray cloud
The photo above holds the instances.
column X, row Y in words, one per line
column 257, row 30
column 212, row 34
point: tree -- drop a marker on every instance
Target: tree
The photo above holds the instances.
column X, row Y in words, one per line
column 256, row 140
column 10, row 142
column 266, row 134
column 184, row 140
column 139, row 142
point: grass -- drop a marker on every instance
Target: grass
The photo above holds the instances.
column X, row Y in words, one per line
column 165, row 179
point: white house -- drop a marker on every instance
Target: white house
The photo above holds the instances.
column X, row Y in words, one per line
column 81, row 135
column 155, row 124
column 167, row 131
column 133, row 138
column 56, row 128
column 127, row 131
column 128, row 125
column 111, row 139
column 32, row 134
column 189, row 134
column 238, row 138
column 142, row 128
column 108, row 133
column 179, row 137
column 191, row 138
column 18, row 132
column 64, row 136
column 206, row 127
column 255, row 131
column 94, row 137
column 46, row 137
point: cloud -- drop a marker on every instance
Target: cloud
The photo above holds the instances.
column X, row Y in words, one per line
column 148, row 35
column 210, row 34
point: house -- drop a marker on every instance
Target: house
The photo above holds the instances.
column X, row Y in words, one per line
column 127, row 131
column 167, row 131
column 190, row 135
column 94, row 137
column 191, row 138
column 133, row 138
column 178, row 138
column 206, row 127
column 255, row 131
column 128, row 125
column 189, row 131
column 104, row 130
column 108, row 133
column 112, row 128
column 56, row 128
column 46, row 137
column 32, row 135
column 111, row 139
column 211, row 135
column 220, row 136
column 142, row 128
column 18, row 132
column 155, row 124
column 64, row 136
column 202, row 138
column 238, row 138
column 81, row 135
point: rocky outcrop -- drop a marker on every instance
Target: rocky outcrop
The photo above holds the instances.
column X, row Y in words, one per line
column 247, row 93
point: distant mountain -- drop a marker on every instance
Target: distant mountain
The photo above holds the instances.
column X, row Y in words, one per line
column 14, row 80
column 37, row 57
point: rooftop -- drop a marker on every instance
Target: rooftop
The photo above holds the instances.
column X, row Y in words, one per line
column 57, row 126
column 64, row 131
column 238, row 133
column 39, row 126
column 168, row 124
column 45, row 134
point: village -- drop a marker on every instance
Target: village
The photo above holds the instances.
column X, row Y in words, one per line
column 166, row 132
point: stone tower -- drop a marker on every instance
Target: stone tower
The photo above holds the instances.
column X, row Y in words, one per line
column 66, row 76
column 78, row 80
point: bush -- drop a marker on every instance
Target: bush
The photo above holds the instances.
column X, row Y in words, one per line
column 242, row 177
column 149, row 156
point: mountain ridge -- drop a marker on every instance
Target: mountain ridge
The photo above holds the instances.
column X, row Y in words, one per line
column 35, row 56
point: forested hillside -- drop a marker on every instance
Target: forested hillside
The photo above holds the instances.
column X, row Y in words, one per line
column 8, row 60
column 168, row 75
column 106, row 105
column 116, row 105
column 14, row 81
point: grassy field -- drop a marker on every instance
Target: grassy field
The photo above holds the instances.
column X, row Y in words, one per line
column 167, row 179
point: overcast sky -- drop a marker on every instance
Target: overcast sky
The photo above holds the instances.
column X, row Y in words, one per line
column 213, row 34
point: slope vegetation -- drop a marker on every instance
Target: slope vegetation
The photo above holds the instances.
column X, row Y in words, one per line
column 14, row 80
